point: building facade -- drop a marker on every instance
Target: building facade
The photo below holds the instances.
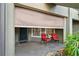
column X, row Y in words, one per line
column 64, row 21
column 37, row 22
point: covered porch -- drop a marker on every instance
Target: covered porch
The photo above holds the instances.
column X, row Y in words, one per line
column 34, row 34
column 32, row 46
column 30, row 24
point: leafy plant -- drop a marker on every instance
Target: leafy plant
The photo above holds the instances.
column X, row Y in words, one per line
column 72, row 45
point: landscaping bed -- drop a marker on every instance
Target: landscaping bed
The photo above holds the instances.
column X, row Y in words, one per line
column 71, row 47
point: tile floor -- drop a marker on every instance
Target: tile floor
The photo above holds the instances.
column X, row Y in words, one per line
column 36, row 48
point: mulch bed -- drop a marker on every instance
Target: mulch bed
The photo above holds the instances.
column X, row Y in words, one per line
column 60, row 52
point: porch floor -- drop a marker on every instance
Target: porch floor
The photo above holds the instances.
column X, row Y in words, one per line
column 36, row 48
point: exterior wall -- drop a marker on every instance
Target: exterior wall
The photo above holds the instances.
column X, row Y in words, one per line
column 41, row 6
column 49, row 7
column 64, row 11
column 70, row 13
column 2, row 30
column 7, row 40
column 69, row 22
column 74, row 14
column 9, row 29
column 60, row 10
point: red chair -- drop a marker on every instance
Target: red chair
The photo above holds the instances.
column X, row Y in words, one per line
column 44, row 38
column 55, row 37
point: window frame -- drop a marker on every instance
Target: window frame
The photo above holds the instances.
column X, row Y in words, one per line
column 33, row 33
column 40, row 32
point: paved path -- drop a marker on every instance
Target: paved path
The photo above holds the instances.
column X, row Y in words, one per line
column 36, row 49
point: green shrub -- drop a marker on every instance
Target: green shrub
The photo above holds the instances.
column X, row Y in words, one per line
column 72, row 45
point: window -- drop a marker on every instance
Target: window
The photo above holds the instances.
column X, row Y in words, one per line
column 49, row 31
column 36, row 32
column 43, row 30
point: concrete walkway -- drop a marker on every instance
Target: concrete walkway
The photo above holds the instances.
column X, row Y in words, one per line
column 36, row 48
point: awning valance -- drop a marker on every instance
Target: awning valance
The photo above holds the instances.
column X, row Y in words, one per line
column 34, row 19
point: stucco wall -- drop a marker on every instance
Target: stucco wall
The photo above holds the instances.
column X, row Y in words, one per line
column 2, row 36
column 64, row 11
column 61, row 10
column 49, row 7
column 74, row 14
column 9, row 29
column 41, row 6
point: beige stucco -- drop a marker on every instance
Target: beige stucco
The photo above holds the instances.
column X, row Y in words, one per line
column 58, row 9
column 9, row 30
column 41, row 6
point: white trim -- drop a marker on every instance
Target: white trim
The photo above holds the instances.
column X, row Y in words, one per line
column 9, row 30
column 31, row 32
column 39, row 27
column 54, row 31
column 28, row 35
column 33, row 35
column 40, row 32
column 45, row 30
column 64, row 31
column 70, row 21
column 36, row 36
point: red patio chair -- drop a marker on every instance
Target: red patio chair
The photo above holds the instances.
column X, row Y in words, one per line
column 55, row 37
column 44, row 38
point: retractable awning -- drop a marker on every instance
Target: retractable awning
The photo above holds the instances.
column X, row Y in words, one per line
column 34, row 19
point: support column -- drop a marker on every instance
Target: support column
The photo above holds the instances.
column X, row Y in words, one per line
column 9, row 30
column 2, row 29
column 64, row 30
column 70, row 21
column 69, row 24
